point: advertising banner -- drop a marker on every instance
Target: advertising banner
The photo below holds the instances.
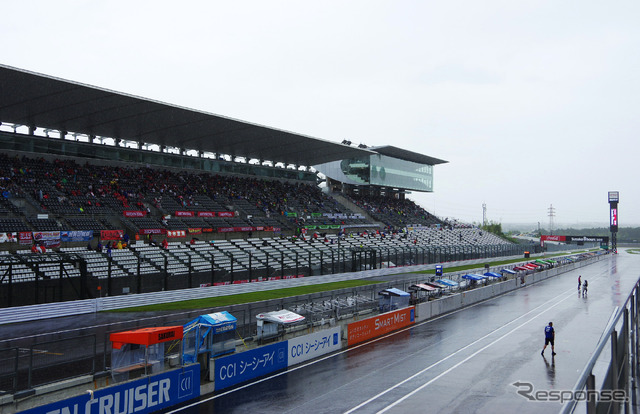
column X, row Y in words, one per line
column 304, row 348
column 76, row 235
column 376, row 326
column 48, row 238
column 194, row 231
column 571, row 239
column 184, row 214
column 226, row 214
column 152, row 231
column 25, row 237
column 553, row 238
column 134, row 213
column 206, row 213
column 145, row 395
column 176, row 233
column 111, row 234
column 8, row 237
column 225, row 229
column 243, row 366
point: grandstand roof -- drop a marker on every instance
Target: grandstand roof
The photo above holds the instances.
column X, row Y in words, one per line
column 406, row 155
column 37, row 100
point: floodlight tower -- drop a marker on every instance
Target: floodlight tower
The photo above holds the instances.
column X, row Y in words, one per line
column 614, row 198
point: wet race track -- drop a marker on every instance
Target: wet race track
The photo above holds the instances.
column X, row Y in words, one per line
column 466, row 361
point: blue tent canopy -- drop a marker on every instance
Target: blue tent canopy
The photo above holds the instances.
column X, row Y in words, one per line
column 509, row 271
column 447, row 282
column 473, row 276
column 219, row 321
column 493, row 274
column 211, row 333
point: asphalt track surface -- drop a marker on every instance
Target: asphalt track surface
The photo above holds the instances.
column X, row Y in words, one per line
column 463, row 362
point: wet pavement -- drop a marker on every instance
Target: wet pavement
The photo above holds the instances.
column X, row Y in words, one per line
column 466, row 361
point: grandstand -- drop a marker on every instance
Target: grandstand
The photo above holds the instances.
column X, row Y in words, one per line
column 198, row 198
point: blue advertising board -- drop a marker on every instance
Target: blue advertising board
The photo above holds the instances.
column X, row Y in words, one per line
column 76, row 235
column 244, row 366
column 144, row 395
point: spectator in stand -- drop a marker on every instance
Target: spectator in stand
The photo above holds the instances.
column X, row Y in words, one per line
column 165, row 244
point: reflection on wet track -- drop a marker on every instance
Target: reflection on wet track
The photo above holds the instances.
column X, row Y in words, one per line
column 484, row 358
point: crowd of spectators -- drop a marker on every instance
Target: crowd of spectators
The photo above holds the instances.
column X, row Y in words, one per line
column 66, row 188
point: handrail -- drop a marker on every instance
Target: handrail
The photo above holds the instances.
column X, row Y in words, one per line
column 616, row 315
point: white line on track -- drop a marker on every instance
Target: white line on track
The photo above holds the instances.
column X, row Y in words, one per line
column 569, row 293
column 213, row 397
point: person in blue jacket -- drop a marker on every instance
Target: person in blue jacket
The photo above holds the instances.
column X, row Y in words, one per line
column 549, row 338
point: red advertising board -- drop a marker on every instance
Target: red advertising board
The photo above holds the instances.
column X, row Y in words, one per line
column 225, row 229
column 111, row 234
column 206, row 213
column 377, row 326
column 185, row 214
column 226, row 214
column 134, row 213
column 553, row 238
column 25, row 237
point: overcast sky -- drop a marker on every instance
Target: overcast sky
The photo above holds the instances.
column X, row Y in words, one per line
column 533, row 103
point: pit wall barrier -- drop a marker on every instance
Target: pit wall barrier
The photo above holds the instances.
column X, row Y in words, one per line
column 143, row 395
column 247, row 365
column 457, row 301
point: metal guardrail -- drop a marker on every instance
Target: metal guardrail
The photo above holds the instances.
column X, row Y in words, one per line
column 79, row 307
column 621, row 337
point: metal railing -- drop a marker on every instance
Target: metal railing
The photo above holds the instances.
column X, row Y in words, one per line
column 620, row 338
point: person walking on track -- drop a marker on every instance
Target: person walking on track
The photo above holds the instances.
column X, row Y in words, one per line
column 579, row 282
column 549, row 338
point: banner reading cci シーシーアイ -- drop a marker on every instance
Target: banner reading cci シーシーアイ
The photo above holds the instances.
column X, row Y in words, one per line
column 243, row 366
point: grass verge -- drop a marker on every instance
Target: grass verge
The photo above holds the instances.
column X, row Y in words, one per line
column 247, row 297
